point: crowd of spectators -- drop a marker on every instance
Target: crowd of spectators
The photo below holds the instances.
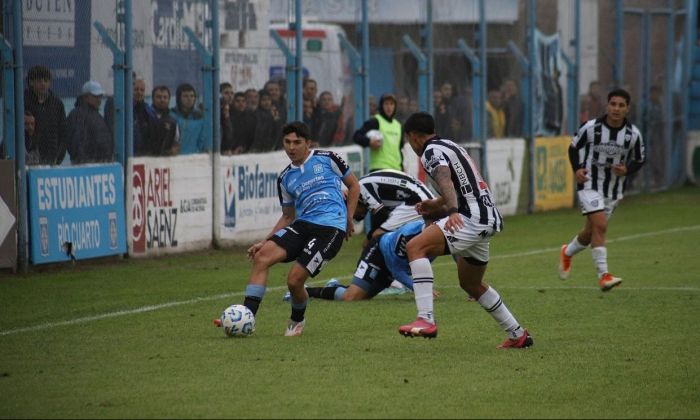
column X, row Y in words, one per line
column 251, row 120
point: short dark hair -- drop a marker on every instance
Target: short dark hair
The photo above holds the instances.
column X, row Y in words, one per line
column 420, row 122
column 621, row 93
column 298, row 127
column 239, row 93
column 224, row 85
column 39, row 72
column 160, row 87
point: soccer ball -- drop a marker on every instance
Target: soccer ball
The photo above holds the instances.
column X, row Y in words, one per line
column 238, row 321
column 375, row 134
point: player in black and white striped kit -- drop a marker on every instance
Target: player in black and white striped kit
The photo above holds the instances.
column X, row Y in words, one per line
column 466, row 220
column 603, row 153
column 391, row 196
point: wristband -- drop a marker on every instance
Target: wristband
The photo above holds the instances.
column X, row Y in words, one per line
column 451, row 210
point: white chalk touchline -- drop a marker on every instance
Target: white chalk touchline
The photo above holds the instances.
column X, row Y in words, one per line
column 151, row 308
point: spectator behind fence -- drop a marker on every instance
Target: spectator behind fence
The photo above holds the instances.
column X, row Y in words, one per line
column 458, row 107
column 385, row 150
column 165, row 133
column 593, row 104
column 32, row 156
column 144, row 120
column 513, row 108
column 330, row 123
column 496, row 117
column 49, row 114
column 274, row 88
column 89, row 137
column 226, row 103
column 243, row 122
column 373, row 109
column 402, row 108
column 190, row 121
column 268, row 125
column 442, row 116
column 252, row 99
column 310, row 92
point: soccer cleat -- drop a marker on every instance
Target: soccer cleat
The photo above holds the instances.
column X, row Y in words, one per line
column 294, row 329
column 332, row 283
column 521, row 342
column 564, row 263
column 217, row 322
column 608, row 281
column 393, row 291
column 419, row 328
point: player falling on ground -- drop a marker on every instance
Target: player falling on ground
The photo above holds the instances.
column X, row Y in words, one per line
column 315, row 219
column 466, row 220
column 602, row 153
column 391, row 197
column 383, row 259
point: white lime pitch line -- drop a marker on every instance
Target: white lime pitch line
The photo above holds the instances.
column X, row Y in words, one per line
column 151, row 308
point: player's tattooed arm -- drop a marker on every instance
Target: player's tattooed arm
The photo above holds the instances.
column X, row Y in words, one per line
column 443, row 179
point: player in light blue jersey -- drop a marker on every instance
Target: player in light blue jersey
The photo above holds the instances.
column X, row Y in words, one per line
column 383, row 259
column 315, row 219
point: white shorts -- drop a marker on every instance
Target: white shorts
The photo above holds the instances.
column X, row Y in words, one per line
column 399, row 216
column 470, row 241
column 592, row 201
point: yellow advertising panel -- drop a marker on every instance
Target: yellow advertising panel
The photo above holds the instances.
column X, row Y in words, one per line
column 554, row 179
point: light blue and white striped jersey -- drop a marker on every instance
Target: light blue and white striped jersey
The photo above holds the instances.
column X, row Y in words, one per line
column 393, row 248
column 315, row 189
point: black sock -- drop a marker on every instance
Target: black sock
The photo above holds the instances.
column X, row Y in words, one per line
column 252, row 303
column 298, row 314
column 328, row 293
column 314, row 292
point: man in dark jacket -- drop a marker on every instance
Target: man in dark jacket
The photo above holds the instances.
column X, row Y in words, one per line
column 89, row 137
column 50, row 116
column 165, row 135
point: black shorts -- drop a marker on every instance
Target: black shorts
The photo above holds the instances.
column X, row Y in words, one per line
column 311, row 245
column 372, row 274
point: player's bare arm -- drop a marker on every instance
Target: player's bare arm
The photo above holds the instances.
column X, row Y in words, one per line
column 353, row 194
column 287, row 217
column 433, row 208
column 443, row 178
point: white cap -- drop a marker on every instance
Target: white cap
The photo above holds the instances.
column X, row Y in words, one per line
column 93, row 88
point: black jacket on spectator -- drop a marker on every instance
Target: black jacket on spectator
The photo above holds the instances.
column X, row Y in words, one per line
column 89, row 138
column 267, row 132
column 51, row 126
column 244, row 126
column 162, row 134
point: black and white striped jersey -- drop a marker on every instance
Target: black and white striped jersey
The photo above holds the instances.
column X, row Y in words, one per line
column 390, row 188
column 600, row 147
column 473, row 195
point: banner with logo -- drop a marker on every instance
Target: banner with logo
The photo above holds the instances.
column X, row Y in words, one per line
column 170, row 204
column 76, row 212
column 8, row 215
column 248, row 195
column 505, row 168
column 554, row 179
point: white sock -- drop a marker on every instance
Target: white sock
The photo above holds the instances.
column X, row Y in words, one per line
column 574, row 247
column 600, row 259
column 491, row 301
column 422, row 274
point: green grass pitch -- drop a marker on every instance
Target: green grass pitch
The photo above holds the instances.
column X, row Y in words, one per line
column 134, row 338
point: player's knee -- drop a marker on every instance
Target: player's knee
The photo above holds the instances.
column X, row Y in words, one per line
column 414, row 250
